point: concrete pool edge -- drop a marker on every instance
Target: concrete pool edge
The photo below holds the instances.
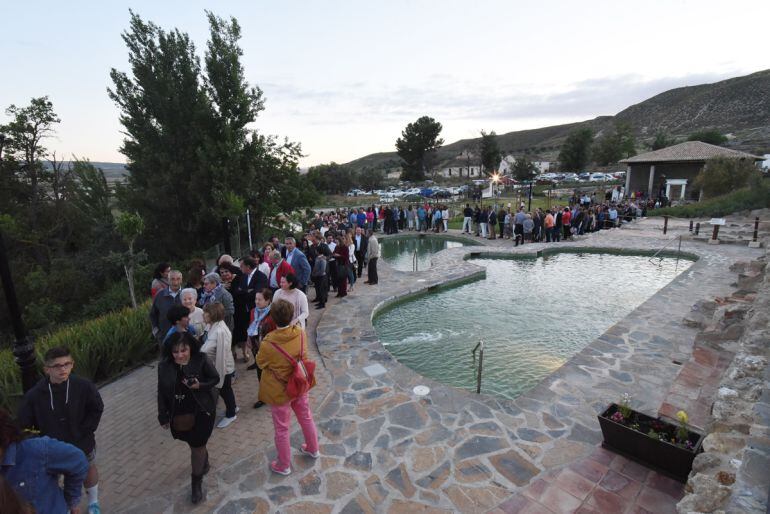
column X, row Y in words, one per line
column 544, row 429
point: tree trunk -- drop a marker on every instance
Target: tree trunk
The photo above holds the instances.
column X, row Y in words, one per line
column 130, row 277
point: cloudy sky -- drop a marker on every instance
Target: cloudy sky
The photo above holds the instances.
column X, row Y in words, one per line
column 345, row 77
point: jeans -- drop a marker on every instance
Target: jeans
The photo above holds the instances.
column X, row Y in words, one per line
column 467, row 224
column 483, row 229
column 282, row 427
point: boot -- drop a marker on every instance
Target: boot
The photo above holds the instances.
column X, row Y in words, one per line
column 206, row 466
column 197, row 488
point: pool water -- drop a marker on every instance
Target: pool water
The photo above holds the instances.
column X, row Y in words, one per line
column 532, row 314
column 399, row 252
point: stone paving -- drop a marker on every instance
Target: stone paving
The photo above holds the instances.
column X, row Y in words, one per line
column 384, row 449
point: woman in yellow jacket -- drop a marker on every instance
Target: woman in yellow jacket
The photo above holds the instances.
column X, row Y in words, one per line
column 276, row 369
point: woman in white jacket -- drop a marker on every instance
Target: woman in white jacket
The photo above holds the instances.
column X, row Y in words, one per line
column 218, row 348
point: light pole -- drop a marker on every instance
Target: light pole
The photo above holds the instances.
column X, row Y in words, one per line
column 23, row 346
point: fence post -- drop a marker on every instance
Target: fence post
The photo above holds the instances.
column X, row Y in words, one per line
column 697, row 228
column 715, row 236
column 665, row 224
column 691, row 223
column 754, row 243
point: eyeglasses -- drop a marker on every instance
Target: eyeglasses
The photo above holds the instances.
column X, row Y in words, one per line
column 61, row 366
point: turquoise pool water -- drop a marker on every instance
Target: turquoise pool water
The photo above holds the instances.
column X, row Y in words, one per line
column 533, row 315
column 399, row 252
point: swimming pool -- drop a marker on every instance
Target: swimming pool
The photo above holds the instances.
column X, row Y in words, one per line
column 399, row 251
column 533, row 315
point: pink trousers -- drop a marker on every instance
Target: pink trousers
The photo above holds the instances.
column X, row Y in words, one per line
column 282, row 427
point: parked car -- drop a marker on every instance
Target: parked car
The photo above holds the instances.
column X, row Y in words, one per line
column 598, row 177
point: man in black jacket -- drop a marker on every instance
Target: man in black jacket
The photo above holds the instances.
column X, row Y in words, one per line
column 244, row 290
column 361, row 243
column 68, row 408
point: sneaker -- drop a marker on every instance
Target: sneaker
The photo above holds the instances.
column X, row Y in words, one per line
column 226, row 422
column 94, row 508
column 222, row 414
column 274, row 469
column 303, row 449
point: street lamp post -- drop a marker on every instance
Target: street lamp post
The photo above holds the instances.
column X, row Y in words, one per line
column 23, row 346
column 529, row 205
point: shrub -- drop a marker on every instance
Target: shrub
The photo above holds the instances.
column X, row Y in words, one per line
column 102, row 348
column 754, row 197
column 723, row 175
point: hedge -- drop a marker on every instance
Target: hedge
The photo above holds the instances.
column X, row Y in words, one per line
column 750, row 198
column 102, row 348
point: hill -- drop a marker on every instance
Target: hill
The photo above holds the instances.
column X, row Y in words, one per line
column 738, row 107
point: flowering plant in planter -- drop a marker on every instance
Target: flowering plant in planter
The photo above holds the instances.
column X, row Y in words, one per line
column 665, row 446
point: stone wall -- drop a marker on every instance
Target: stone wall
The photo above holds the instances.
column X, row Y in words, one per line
column 732, row 475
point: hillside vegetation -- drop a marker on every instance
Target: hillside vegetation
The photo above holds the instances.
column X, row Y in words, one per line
column 739, row 107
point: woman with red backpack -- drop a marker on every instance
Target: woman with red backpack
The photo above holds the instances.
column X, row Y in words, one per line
column 287, row 376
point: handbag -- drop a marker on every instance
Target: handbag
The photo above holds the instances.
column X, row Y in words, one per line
column 183, row 422
column 302, row 377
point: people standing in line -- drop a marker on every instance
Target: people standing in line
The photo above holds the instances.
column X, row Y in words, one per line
column 261, row 325
column 331, row 264
column 445, row 217
column 548, row 223
column 280, row 269
column 163, row 301
column 352, row 264
column 187, row 402
column 341, row 260
column 501, row 222
column 491, row 222
column 179, row 317
column 320, row 278
column 372, row 255
column 483, row 222
column 189, row 300
column 422, row 224
column 277, row 368
column 477, row 221
column 66, row 407
column 243, row 290
column 529, row 226
column 34, row 466
column 218, row 349
column 159, row 278
column 566, row 223
column 215, row 292
column 410, row 215
column 195, row 276
column 298, row 262
column 467, row 218
column 361, row 243
column 291, row 293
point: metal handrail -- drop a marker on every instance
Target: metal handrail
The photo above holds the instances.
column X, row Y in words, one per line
column 480, row 347
column 679, row 238
column 414, row 261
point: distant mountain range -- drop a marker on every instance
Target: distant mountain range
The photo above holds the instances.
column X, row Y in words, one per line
column 113, row 171
column 738, row 107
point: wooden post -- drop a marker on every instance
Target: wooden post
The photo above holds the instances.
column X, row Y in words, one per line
column 665, row 224
column 754, row 243
column 691, row 223
column 715, row 234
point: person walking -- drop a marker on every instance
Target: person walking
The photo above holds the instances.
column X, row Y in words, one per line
column 372, row 254
column 218, row 349
column 277, row 357
column 360, row 250
column 261, row 325
column 187, row 401
column 320, row 278
column 66, row 407
column 291, row 293
column 215, row 292
column 163, row 301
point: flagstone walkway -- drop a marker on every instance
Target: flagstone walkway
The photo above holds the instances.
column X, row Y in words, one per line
column 384, row 449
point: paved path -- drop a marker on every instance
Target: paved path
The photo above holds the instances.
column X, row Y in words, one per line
column 386, row 450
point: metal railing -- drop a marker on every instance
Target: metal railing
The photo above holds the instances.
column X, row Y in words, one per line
column 414, row 261
column 678, row 249
column 480, row 347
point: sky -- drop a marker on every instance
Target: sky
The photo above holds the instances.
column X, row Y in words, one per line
column 344, row 78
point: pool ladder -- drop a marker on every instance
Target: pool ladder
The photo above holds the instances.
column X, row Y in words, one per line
column 414, row 261
column 480, row 348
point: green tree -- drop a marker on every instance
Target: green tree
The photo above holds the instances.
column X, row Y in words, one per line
column 523, row 169
column 490, row 152
column 576, row 151
column 712, row 136
column 331, row 178
column 617, row 144
column 722, row 175
column 370, row 179
column 417, row 147
column 191, row 154
column 662, row 140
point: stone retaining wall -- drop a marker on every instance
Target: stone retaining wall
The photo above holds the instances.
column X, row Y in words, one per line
column 733, row 472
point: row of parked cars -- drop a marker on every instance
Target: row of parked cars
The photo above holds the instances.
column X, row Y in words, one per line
column 581, row 177
column 412, row 194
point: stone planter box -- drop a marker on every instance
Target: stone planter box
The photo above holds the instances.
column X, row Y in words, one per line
column 665, row 457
